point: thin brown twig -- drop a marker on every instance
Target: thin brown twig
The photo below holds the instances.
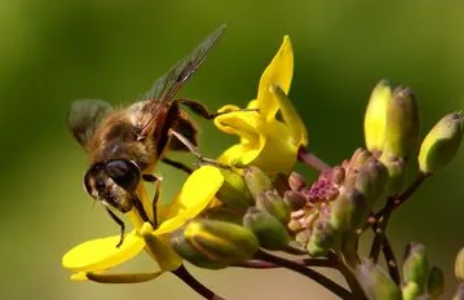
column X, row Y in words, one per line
column 303, row 270
column 383, row 216
column 183, row 274
column 307, row 262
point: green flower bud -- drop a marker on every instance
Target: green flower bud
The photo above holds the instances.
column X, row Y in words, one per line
column 459, row 293
column 371, row 180
column 349, row 211
column 257, row 181
column 402, row 131
column 234, row 192
column 324, row 237
column 376, row 283
column 459, row 265
column 436, row 283
column 441, row 144
column 411, row 291
column 416, row 266
column 396, row 168
column 271, row 202
column 358, row 159
column 214, row 244
column 375, row 119
column 295, row 200
column 271, row 234
column 224, row 213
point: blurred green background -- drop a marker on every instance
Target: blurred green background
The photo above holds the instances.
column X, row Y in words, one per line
column 52, row 52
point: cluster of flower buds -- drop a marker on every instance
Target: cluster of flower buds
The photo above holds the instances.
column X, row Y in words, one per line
column 338, row 204
column 391, row 128
column 251, row 215
column 420, row 280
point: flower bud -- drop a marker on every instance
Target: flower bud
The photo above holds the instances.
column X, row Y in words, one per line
column 224, row 213
column 257, row 181
column 396, row 168
column 375, row 119
column 371, row 180
column 436, row 283
column 441, row 144
column 459, row 293
column 295, row 200
column 271, row 234
column 234, row 192
column 416, row 266
column 376, row 283
column 349, row 210
column 324, row 237
column 271, row 202
column 214, row 244
column 358, row 159
column 410, row 291
column 459, row 265
column 296, row 181
column 402, row 131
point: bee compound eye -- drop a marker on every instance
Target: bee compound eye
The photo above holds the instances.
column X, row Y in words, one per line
column 124, row 173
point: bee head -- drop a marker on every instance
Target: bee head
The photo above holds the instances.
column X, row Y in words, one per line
column 113, row 182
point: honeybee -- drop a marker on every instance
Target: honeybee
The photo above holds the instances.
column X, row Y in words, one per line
column 125, row 145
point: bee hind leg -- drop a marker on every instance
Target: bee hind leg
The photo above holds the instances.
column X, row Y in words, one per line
column 194, row 150
column 120, row 223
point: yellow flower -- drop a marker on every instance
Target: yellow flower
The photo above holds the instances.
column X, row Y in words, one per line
column 266, row 141
column 91, row 259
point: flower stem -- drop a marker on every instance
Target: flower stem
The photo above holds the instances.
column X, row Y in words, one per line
column 383, row 217
column 183, row 274
column 303, row 270
column 311, row 159
column 307, row 262
column 392, row 263
column 420, row 178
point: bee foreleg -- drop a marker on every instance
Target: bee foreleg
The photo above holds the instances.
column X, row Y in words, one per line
column 201, row 110
column 178, row 165
column 120, row 223
column 155, row 202
column 141, row 210
column 150, row 178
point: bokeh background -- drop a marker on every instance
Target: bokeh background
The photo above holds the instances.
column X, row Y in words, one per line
column 52, row 52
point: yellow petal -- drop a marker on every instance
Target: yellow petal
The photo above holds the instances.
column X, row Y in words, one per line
column 160, row 248
column 233, row 155
column 279, row 153
column 102, row 253
column 279, row 72
column 241, row 123
column 196, row 194
column 291, row 117
column 228, row 108
column 123, row 278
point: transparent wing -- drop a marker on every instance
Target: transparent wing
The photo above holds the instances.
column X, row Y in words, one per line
column 165, row 88
column 84, row 117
